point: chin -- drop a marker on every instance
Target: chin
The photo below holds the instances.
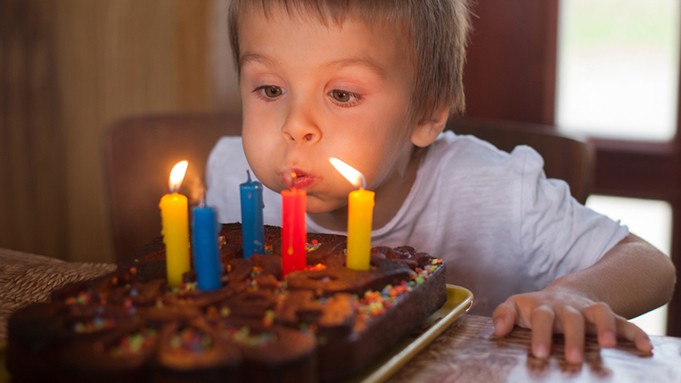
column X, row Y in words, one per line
column 316, row 206
column 316, row 209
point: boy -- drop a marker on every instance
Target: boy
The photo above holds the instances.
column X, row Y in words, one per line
column 373, row 83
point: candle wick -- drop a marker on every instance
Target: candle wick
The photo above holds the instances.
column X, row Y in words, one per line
column 364, row 181
column 248, row 173
column 293, row 180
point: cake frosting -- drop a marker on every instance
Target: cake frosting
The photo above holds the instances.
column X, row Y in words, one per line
column 324, row 323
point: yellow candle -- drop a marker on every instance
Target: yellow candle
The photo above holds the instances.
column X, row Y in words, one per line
column 175, row 226
column 360, row 215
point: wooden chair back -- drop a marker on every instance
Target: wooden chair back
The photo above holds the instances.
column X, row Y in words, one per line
column 566, row 157
column 139, row 153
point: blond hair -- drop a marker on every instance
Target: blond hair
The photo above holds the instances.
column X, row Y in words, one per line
column 437, row 31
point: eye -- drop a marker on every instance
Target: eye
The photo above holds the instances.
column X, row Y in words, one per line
column 269, row 91
column 344, row 97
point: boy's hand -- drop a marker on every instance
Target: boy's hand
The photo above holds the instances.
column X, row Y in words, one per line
column 557, row 311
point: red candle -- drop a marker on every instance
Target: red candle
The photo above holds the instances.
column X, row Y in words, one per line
column 293, row 231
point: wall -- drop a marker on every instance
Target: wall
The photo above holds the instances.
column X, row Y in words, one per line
column 68, row 69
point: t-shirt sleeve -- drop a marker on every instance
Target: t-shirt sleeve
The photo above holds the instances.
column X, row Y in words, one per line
column 558, row 234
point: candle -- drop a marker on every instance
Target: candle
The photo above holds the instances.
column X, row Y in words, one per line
column 293, row 231
column 205, row 232
column 360, row 214
column 175, row 226
column 252, row 228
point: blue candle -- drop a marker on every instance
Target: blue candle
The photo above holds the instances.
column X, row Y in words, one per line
column 205, row 231
column 252, row 228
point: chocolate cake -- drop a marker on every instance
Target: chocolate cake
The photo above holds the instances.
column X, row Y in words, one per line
column 324, row 323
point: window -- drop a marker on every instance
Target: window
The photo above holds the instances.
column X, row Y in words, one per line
column 651, row 220
column 618, row 67
column 617, row 78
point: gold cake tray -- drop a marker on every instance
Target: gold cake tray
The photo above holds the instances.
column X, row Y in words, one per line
column 459, row 300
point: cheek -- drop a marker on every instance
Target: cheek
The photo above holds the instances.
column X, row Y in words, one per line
column 253, row 156
column 390, row 158
column 260, row 156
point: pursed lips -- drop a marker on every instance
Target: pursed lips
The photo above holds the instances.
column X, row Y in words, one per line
column 299, row 178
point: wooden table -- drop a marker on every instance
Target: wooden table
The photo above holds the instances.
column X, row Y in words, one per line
column 27, row 278
column 466, row 352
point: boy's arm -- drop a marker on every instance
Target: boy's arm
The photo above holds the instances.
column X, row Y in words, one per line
column 630, row 279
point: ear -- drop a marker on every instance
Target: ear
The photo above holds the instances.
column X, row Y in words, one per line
column 429, row 127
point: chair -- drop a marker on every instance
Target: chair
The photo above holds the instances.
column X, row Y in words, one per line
column 139, row 153
column 566, row 157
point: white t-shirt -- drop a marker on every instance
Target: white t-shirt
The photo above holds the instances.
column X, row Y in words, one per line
column 500, row 225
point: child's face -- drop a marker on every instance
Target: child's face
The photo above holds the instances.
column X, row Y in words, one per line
column 312, row 91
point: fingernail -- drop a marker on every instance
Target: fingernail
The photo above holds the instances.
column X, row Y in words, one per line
column 574, row 356
column 496, row 322
column 540, row 351
column 608, row 339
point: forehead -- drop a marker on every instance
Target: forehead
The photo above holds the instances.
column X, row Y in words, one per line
column 274, row 33
column 326, row 11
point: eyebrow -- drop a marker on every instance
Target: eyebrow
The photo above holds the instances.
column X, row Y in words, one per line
column 358, row 61
column 254, row 57
column 248, row 57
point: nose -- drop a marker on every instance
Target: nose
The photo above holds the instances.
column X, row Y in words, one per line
column 301, row 126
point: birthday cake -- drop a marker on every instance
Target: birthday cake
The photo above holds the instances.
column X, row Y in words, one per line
column 323, row 323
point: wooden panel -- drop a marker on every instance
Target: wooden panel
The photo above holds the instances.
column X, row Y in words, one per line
column 510, row 73
column 32, row 191
column 193, row 53
column 674, row 308
column 68, row 70
column 123, row 64
column 627, row 172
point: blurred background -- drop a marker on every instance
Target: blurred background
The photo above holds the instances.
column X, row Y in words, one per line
column 604, row 69
column 68, row 70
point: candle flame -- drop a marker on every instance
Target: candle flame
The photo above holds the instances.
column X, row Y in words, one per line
column 177, row 175
column 351, row 174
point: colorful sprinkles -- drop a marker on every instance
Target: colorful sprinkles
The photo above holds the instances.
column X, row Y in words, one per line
column 374, row 303
column 317, row 267
column 312, row 246
column 244, row 337
column 93, row 325
column 191, row 340
column 134, row 343
column 82, row 298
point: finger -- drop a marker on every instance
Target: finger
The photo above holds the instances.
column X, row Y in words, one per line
column 604, row 320
column 504, row 318
column 542, row 331
column 631, row 332
column 573, row 328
